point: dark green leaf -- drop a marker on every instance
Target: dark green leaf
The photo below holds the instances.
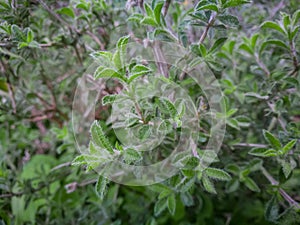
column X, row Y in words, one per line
column 229, row 20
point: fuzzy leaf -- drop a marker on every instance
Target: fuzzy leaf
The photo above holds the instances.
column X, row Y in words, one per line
column 172, row 204
column 288, row 147
column 251, row 184
column 217, row 174
column 263, row 152
column 160, row 206
column 234, row 3
column 99, row 137
column 101, row 186
column 131, row 155
column 273, row 141
column 212, row 7
column 229, row 20
column 108, row 99
column 157, row 12
column 272, row 25
column 137, row 71
column 208, row 185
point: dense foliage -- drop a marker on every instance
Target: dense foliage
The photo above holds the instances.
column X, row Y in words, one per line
column 251, row 48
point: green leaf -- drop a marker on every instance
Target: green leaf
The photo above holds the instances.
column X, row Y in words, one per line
column 160, row 206
column 149, row 21
column 273, row 25
column 272, row 210
column 102, row 72
column 117, row 60
column 122, row 43
column 99, row 137
column 148, row 10
column 136, row 17
column 232, row 185
column 276, row 42
column 229, row 20
column 234, row 3
column 66, row 11
column 272, row 140
column 232, row 168
column 157, row 12
column 217, row 174
column 144, row 132
column 208, row 185
column 79, row 160
column 101, row 55
column 288, row 147
column 137, row 71
column 30, row 36
column 286, row 168
column 246, row 48
column 166, row 106
column 212, row 7
column 108, row 99
column 263, row 152
column 131, row 155
column 101, row 186
column 172, row 204
column 251, row 184
column 217, row 45
column 18, row 34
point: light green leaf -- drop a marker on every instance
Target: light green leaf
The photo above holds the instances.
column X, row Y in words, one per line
column 172, row 204
column 148, row 10
column 273, row 141
column 30, row 36
column 246, row 48
column 108, row 99
column 208, row 185
column 103, row 72
column 157, row 12
column 122, row 43
column 131, row 155
column 66, row 11
column 149, row 21
column 263, row 152
column 160, row 206
column 99, row 137
column 234, row 3
column 101, row 186
column 212, row 7
column 217, row 174
column 288, row 147
column 273, row 25
column 137, row 71
column 136, row 17
column 79, row 160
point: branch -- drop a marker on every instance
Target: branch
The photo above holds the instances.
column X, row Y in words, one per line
column 285, row 195
column 166, row 7
column 210, row 24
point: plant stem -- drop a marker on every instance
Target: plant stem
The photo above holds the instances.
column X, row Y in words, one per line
column 285, row 195
column 210, row 24
column 166, row 7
